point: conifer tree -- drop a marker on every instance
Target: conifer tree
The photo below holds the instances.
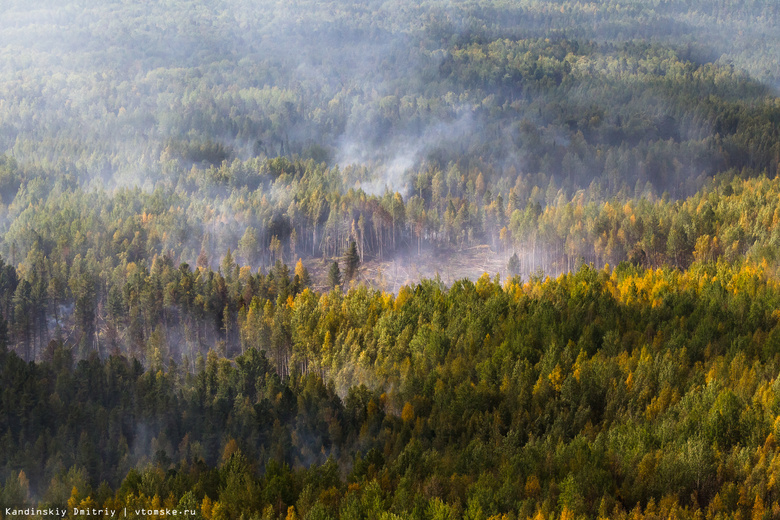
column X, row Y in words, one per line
column 351, row 262
column 334, row 276
column 513, row 266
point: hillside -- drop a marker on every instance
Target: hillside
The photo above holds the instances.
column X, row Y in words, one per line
column 316, row 260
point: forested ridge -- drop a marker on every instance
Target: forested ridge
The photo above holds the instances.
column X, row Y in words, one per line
column 216, row 216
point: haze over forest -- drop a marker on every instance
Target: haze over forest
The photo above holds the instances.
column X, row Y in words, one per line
column 480, row 260
column 456, row 104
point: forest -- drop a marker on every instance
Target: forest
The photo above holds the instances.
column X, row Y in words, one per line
column 205, row 206
column 612, row 393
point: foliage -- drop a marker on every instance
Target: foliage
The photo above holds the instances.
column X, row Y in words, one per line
column 160, row 167
column 630, row 391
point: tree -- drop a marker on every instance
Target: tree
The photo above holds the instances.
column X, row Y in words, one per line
column 23, row 317
column 203, row 258
column 303, row 274
column 351, row 262
column 228, row 266
column 334, row 276
column 248, row 246
column 275, row 247
column 513, row 266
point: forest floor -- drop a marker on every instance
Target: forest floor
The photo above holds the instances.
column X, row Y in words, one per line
column 391, row 274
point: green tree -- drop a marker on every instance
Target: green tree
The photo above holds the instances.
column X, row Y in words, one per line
column 513, row 265
column 334, row 276
column 248, row 246
column 351, row 262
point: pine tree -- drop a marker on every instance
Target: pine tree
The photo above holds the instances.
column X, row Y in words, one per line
column 203, row 257
column 228, row 266
column 22, row 317
column 248, row 246
column 334, row 276
column 351, row 262
column 513, row 266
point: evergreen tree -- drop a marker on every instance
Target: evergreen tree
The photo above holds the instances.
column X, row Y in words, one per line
column 248, row 246
column 513, row 266
column 351, row 262
column 334, row 276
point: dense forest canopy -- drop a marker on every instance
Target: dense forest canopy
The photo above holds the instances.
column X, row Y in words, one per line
column 106, row 88
column 599, row 394
column 242, row 247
